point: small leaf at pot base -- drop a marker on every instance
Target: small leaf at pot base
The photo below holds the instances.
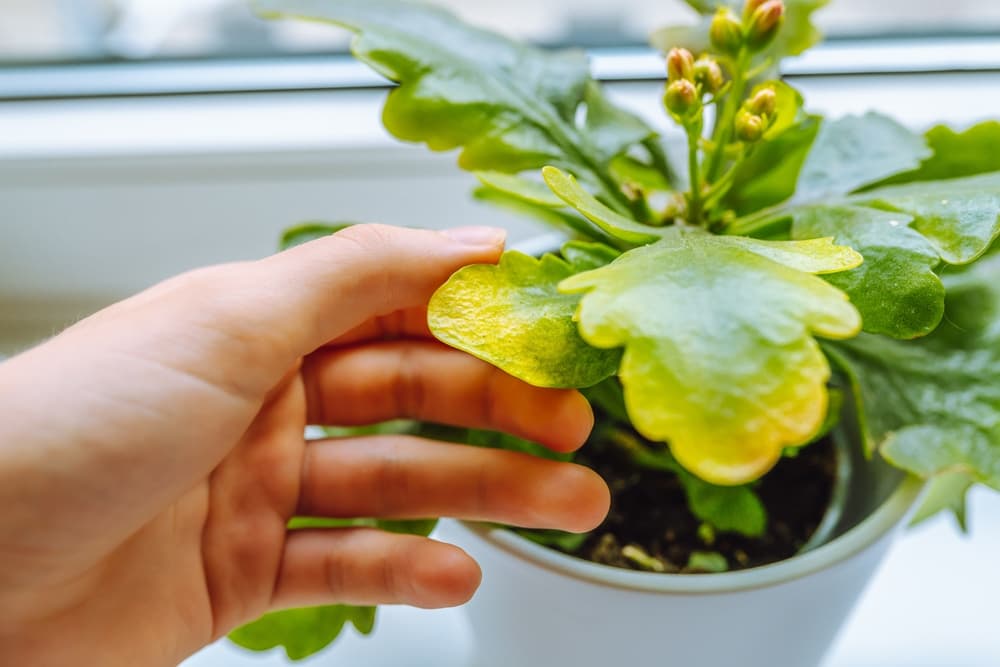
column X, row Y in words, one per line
column 720, row 360
column 707, row 562
column 570, row 191
column 513, row 316
column 303, row 632
column 895, row 289
column 854, row 151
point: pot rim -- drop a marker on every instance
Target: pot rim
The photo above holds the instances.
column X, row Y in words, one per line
column 880, row 522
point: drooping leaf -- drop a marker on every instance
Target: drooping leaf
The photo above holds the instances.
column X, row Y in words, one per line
column 309, row 231
column 513, row 316
column 534, row 192
column 854, row 151
column 563, row 219
column 960, row 217
column 933, row 405
column 895, row 289
column 509, row 106
column 720, row 359
column 570, row 191
column 957, row 154
column 303, row 632
column 568, row 542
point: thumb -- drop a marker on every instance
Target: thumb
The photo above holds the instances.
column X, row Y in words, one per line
column 322, row 289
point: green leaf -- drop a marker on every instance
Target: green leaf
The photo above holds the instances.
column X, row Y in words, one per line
column 568, row 542
column 933, row 405
column 612, row 130
column 533, row 192
column 509, row 106
column 720, row 359
column 510, row 443
column 710, row 562
column 854, row 151
column 513, row 316
column 788, row 104
column 303, row 632
column 736, row 509
column 570, row 191
column 957, row 154
column 769, row 175
column 310, row 231
column 960, row 217
column 560, row 219
column 895, row 289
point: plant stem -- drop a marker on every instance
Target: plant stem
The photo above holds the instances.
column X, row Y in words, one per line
column 756, row 221
column 723, row 131
column 694, row 202
column 659, row 158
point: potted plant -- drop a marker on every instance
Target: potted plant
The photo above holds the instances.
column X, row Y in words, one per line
column 785, row 333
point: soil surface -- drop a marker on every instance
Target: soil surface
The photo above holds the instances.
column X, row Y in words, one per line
column 648, row 511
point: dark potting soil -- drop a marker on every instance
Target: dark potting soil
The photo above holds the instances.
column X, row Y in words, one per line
column 648, row 510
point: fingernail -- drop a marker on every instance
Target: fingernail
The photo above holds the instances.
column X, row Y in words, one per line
column 477, row 236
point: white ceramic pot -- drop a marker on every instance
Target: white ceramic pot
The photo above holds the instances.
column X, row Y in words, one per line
column 541, row 608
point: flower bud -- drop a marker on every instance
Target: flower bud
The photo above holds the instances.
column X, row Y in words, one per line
column 708, row 74
column 681, row 98
column 763, row 102
column 749, row 127
column 680, row 65
column 725, row 32
column 764, row 24
column 749, row 7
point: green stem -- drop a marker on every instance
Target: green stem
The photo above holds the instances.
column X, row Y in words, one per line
column 694, row 201
column 723, row 131
column 757, row 221
column 659, row 158
column 722, row 186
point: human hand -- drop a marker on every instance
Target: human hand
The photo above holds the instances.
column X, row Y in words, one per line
column 152, row 455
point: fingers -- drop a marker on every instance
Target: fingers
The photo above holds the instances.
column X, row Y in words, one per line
column 429, row 381
column 364, row 566
column 320, row 290
column 399, row 477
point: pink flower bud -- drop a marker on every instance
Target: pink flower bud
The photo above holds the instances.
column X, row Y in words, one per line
column 764, row 24
column 680, row 65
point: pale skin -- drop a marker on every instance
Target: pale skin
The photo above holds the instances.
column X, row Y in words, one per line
column 152, row 454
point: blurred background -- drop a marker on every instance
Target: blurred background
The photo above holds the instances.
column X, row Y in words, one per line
column 70, row 30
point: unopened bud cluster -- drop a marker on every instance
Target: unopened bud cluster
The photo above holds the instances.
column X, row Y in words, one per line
column 688, row 80
column 757, row 115
column 759, row 25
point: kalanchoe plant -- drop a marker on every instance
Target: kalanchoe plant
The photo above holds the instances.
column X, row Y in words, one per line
column 720, row 308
